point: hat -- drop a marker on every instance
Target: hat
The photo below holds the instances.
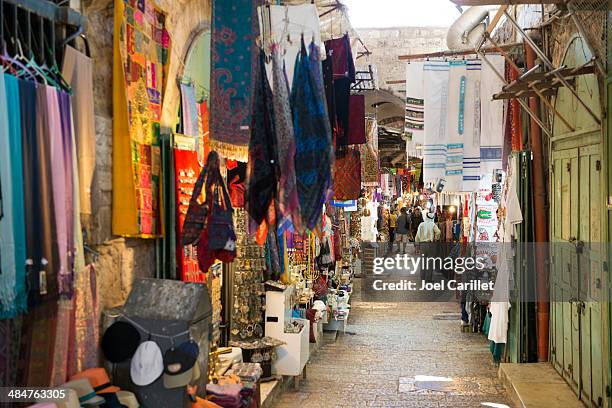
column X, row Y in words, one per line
column 147, row 364
column 98, row 379
column 128, row 399
column 70, row 400
column 112, row 401
column 87, row 395
column 120, row 341
column 178, row 364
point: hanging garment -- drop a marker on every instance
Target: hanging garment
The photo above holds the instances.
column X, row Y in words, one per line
column 77, row 70
column 356, row 129
column 288, row 201
column 471, row 139
column 262, row 165
column 435, row 77
column 369, row 155
column 343, row 67
column 347, row 175
column 415, row 110
column 139, row 82
column 286, row 25
column 492, row 117
column 12, row 227
column 456, row 125
column 189, row 110
column 60, row 146
column 330, row 95
column 313, row 159
column 234, row 62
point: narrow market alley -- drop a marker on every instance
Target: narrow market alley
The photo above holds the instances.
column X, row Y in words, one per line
column 400, row 354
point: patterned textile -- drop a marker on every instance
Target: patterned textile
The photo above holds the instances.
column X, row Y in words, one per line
column 471, row 140
column 347, row 175
column 142, row 47
column 415, row 111
column 261, row 170
column 457, row 84
column 435, row 77
column 12, row 227
column 369, row 155
column 234, row 61
column 313, row 159
column 203, row 141
column 356, row 131
column 288, row 201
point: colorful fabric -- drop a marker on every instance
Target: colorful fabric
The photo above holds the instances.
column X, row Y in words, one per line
column 313, row 159
column 347, row 175
column 356, row 129
column 457, row 84
column 263, row 158
column 343, row 73
column 288, row 201
column 415, row 109
column 186, row 169
column 12, row 227
column 141, row 48
column 471, row 139
column 369, row 157
column 435, row 77
column 234, row 63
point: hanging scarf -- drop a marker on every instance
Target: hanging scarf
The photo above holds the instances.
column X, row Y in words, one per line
column 12, row 227
column 289, row 204
column 234, row 63
column 347, row 175
column 261, row 173
column 313, row 141
column 139, row 81
column 356, row 130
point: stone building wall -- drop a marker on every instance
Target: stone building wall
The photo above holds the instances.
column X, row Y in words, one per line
column 386, row 44
column 123, row 259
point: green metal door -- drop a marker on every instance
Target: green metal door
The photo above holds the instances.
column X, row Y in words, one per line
column 577, row 250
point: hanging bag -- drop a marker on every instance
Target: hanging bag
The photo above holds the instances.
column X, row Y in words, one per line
column 196, row 214
column 221, row 234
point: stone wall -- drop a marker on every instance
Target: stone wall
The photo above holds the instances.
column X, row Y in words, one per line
column 121, row 260
column 386, row 44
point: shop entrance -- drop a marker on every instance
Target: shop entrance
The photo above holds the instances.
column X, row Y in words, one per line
column 576, row 250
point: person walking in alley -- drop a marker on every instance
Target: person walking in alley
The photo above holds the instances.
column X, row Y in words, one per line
column 426, row 238
column 402, row 230
column 392, row 227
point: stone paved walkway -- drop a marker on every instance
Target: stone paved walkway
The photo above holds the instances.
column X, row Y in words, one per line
column 385, row 346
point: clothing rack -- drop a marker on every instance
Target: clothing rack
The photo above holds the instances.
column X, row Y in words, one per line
column 41, row 28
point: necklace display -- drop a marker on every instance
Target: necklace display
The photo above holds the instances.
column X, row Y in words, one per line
column 249, row 293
